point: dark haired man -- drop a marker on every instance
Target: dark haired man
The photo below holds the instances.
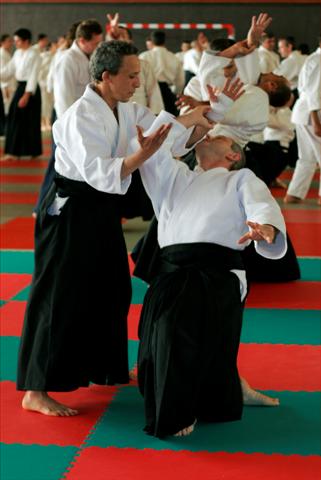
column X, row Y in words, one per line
column 269, row 59
column 24, row 119
column 75, row 328
column 167, row 68
column 291, row 64
column 70, row 79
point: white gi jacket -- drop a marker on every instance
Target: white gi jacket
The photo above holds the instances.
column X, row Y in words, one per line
column 166, row 66
column 71, row 78
column 148, row 93
column 309, row 89
column 280, row 128
column 91, row 144
column 209, row 206
column 24, row 66
column 268, row 60
column 250, row 113
column 290, row 68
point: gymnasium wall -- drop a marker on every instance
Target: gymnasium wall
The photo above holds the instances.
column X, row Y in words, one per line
column 302, row 20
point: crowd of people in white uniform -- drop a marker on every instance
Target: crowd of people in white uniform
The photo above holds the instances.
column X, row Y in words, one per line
column 60, row 69
column 214, row 98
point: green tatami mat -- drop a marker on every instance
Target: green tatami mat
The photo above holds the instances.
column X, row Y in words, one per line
column 301, row 327
column 310, row 269
column 292, row 428
column 9, row 358
column 13, row 261
column 34, row 462
column 16, row 261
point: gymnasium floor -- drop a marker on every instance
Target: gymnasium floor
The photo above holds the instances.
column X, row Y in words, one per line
column 279, row 354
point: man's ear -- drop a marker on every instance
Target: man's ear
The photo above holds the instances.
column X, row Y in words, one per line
column 105, row 76
column 233, row 157
column 272, row 86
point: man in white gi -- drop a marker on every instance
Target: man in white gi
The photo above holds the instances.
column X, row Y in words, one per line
column 148, row 93
column 7, row 88
column 75, row 329
column 70, row 80
column 307, row 119
column 269, row 59
column 291, row 64
column 23, row 134
column 167, row 68
column 192, row 314
column 72, row 74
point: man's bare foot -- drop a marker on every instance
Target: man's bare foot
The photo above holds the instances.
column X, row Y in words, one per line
column 277, row 183
column 252, row 397
column 292, row 199
column 185, row 431
column 8, row 158
column 319, row 201
column 42, row 403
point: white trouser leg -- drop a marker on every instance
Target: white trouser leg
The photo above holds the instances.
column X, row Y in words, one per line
column 309, row 146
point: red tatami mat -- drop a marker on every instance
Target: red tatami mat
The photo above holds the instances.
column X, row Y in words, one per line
column 302, row 216
column 133, row 320
column 17, row 234
column 13, row 283
column 20, row 426
column 6, row 178
column 23, row 164
column 306, row 238
column 291, row 295
column 113, row 463
column 11, row 318
column 17, row 198
column 280, row 192
column 281, row 367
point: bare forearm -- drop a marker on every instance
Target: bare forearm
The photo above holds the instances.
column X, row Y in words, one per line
column 132, row 162
column 315, row 118
column 197, row 135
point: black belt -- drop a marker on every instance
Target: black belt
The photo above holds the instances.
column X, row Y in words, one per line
column 199, row 255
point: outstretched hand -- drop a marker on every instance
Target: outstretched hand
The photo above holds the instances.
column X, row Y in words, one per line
column 259, row 232
column 149, row 145
column 258, row 27
column 187, row 101
column 232, row 89
column 113, row 25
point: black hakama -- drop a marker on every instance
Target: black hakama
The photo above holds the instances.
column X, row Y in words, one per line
column 75, row 329
column 23, row 131
column 169, row 98
column 189, row 337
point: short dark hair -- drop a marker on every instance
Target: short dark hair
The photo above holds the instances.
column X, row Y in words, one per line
column 4, row 37
column 304, row 48
column 23, row 33
column 88, row 28
column 266, row 36
column 241, row 162
column 288, row 41
column 108, row 57
column 220, row 44
column 280, row 96
column 158, row 38
column 41, row 36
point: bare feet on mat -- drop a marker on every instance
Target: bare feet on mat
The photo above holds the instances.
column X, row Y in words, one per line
column 42, row 403
column 292, row 199
column 277, row 183
column 8, row 158
column 185, row 431
column 319, row 201
column 252, row 397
